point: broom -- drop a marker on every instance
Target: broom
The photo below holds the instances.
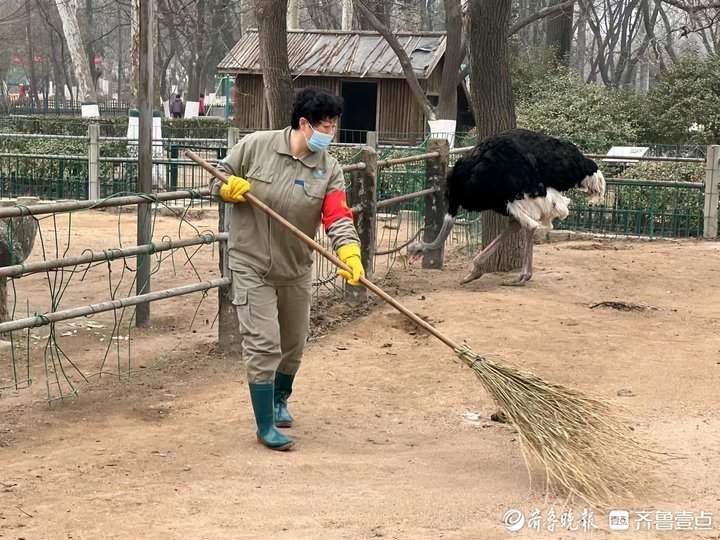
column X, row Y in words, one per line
column 586, row 449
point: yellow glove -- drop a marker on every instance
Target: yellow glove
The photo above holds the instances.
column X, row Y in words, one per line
column 350, row 255
column 234, row 189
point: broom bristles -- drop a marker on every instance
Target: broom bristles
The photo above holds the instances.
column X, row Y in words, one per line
column 585, row 447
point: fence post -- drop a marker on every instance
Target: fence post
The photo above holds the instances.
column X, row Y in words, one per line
column 93, row 161
column 435, row 204
column 372, row 139
column 174, row 154
column 712, row 189
column 363, row 191
column 229, row 339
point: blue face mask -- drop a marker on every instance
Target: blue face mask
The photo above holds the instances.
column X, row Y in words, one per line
column 319, row 141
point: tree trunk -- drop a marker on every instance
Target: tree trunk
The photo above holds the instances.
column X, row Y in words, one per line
column 197, row 52
column 71, row 29
column 31, row 54
column 581, row 46
column 426, row 15
column 492, row 97
column 447, row 103
column 347, row 14
column 120, row 56
column 271, row 18
column 559, row 33
column 218, row 42
column 91, row 53
column 293, row 15
column 4, row 67
column 134, row 53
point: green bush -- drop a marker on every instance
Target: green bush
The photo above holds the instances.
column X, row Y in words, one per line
column 562, row 105
column 115, row 126
column 684, row 104
column 665, row 171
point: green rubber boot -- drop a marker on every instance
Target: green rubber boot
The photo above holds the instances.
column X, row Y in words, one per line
column 262, row 402
column 283, row 389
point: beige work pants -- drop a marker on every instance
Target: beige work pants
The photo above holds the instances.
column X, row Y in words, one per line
column 274, row 325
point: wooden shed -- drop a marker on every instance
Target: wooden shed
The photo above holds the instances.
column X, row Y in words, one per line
column 358, row 65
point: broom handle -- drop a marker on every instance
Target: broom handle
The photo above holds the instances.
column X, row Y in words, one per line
column 249, row 197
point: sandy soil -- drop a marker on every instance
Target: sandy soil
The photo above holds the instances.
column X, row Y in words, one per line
column 384, row 448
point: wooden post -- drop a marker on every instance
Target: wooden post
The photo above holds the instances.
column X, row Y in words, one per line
column 144, row 218
column 17, row 238
column 712, row 190
column 435, row 204
column 93, row 161
column 363, row 191
column 229, row 339
column 4, row 313
column 372, row 139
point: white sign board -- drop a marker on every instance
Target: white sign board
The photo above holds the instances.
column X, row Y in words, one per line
column 191, row 109
column 625, row 152
column 89, row 110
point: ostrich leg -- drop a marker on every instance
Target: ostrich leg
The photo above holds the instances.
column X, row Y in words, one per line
column 481, row 257
column 526, row 272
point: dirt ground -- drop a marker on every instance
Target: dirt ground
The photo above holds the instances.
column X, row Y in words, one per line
column 388, row 444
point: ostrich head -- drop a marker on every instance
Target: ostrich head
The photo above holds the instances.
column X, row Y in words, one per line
column 594, row 186
column 416, row 249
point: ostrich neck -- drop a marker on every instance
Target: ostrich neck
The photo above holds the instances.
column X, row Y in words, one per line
column 447, row 226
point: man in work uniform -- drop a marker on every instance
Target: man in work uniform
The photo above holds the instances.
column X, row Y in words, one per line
column 290, row 171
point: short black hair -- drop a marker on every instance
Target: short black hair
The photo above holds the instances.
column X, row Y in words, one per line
column 316, row 105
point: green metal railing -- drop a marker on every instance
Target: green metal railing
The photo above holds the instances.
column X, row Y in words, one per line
column 119, row 175
column 641, row 208
column 43, row 176
column 631, row 207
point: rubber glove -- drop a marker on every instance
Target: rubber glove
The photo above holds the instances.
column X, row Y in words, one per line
column 234, row 189
column 350, row 255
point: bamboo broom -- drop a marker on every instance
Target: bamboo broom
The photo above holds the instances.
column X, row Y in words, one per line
column 585, row 447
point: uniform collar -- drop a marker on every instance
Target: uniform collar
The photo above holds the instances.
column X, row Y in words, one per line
column 282, row 146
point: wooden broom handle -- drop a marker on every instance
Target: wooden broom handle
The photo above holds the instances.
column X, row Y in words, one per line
column 249, row 197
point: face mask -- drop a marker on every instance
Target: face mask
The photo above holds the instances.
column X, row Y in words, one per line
column 319, row 141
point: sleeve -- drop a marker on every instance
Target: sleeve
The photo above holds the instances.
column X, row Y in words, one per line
column 234, row 163
column 337, row 216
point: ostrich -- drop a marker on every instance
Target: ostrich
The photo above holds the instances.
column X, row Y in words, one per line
column 520, row 174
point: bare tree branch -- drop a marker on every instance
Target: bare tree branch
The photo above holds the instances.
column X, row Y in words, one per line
column 550, row 10
column 403, row 58
column 689, row 7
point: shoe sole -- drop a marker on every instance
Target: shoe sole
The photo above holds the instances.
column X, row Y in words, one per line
column 284, row 424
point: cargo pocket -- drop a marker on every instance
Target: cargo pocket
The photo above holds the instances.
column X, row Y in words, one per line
column 242, row 307
column 315, row 189
column 308, row 197
column 240, row 296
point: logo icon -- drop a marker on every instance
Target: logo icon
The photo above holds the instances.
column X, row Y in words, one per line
column 514, row 520
column 619, row 520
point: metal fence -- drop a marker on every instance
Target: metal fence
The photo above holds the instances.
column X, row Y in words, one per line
column 43, row 176
column 631, row 207
column 58, row 106
column 641, row 208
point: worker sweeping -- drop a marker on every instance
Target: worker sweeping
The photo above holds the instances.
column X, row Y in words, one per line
column 292, row 172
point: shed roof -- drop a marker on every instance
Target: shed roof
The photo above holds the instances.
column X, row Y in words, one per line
column 336, row 53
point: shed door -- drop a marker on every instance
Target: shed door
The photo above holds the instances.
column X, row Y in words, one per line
column 360, row 111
